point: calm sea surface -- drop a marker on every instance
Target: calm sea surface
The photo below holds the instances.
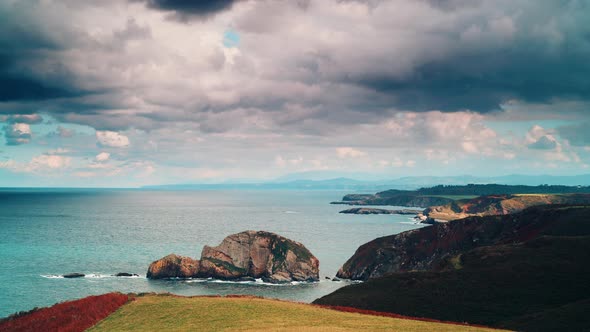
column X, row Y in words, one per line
column 45, row 233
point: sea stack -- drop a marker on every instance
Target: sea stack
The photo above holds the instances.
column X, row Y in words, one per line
column 249, row 254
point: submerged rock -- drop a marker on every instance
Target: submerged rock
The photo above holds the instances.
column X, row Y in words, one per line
column 249, row 254
column 126, row 274
column 74, row 275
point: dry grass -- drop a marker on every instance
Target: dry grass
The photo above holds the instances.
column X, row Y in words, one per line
column 173, row 313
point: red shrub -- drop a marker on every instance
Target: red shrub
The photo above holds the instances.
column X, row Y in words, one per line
column 71, row 316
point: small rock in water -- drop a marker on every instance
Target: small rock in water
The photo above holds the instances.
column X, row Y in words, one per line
column 126, row 274
column 327, row 278
column 74, row 275
column 246, row 279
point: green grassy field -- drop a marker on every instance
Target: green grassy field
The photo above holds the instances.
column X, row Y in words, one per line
column 173, row 313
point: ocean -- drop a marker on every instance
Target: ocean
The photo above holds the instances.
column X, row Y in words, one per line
column 45, row 233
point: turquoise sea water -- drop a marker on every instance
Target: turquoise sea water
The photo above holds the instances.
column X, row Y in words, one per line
column 45, row 233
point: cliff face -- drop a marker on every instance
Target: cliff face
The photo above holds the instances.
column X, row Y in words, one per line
column 247, row 254
column 538, row 285
column 430, row 248
column 500, row 205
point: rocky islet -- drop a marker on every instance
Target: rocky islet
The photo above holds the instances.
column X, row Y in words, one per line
column 243, row 256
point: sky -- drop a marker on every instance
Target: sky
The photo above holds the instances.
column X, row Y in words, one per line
column 120, row 93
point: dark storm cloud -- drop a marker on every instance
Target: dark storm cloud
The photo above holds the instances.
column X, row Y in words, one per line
column 455, row 84
column 190, row 8
column 535, row 52
column 448, row 55
column 22, row 45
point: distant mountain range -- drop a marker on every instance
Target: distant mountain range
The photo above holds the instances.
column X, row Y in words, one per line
column 316, row 182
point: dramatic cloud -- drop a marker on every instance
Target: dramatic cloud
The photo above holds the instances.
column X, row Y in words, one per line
column 367, row 85
column 325, row 56
column 18, row 133
column 29, row 68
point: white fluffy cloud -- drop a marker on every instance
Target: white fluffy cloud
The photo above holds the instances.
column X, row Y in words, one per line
column 111, row 139
column 49, row 161
column 102, row 157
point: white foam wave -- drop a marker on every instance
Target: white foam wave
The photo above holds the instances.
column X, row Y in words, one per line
column 98, row 276
column 256, row 282
column 92, row 276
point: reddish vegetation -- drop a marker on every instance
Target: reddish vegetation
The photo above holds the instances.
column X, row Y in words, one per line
column 77, row 315
column 392, row 315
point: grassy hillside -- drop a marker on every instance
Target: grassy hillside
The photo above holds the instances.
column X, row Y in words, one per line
column 173, row 313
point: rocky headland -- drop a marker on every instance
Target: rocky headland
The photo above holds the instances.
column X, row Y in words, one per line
column 394, row 199
column 525, row 271
column 499, row 205
column 380, row 211
column 429, row 248
column 442, row 195
column 243, row 256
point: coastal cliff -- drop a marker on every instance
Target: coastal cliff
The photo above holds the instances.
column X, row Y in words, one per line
column 428, row 248
column 527, row 271
column 249, row 254
column 500, row 205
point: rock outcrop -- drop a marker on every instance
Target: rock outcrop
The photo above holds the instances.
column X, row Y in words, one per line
column 173, row 266
column 250, row 254
column 431, row 248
